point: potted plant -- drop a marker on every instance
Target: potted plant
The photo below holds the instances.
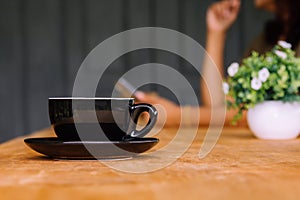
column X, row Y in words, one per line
column 268, row 87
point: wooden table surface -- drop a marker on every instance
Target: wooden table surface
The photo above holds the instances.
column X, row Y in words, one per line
column 239, row 167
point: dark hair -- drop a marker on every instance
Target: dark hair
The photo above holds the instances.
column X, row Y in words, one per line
column 286, row 22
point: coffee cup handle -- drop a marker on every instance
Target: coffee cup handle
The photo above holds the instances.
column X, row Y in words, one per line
column 135, row 111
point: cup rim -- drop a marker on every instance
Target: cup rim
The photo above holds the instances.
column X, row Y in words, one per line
column 90, row 98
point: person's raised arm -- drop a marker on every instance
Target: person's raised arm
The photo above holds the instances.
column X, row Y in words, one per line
column 220, row 16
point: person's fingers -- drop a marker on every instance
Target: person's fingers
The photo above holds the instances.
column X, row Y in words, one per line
column 230, row 9
column 140, row 96
column 222, row 10
column 219, row 10
column 226, row 13
column 235, row 6
column 143, row 97
column 235, row 3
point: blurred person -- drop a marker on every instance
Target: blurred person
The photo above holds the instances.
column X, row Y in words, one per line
column 220, row 16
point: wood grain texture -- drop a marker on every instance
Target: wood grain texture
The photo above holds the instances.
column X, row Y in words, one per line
column 239, row 167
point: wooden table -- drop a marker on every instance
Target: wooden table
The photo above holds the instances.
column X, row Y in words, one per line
column 239, row 167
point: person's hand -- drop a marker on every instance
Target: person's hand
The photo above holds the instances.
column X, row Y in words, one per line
column 168, row 112
column 221, row 15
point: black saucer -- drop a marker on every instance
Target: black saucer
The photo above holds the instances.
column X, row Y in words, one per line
column 55, row 148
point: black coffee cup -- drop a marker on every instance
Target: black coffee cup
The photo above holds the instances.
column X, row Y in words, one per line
column 98, row 119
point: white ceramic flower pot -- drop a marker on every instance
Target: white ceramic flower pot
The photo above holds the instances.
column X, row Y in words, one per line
column 275, row 120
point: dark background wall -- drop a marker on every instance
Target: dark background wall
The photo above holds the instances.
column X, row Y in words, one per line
column 43, row 42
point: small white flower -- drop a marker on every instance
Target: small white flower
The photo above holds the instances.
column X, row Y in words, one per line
column 280, row 54
column 269, row 59
column 225, row 88
column 233, row 69
column 256, row 84
column 284, row 44
column 263, row 74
